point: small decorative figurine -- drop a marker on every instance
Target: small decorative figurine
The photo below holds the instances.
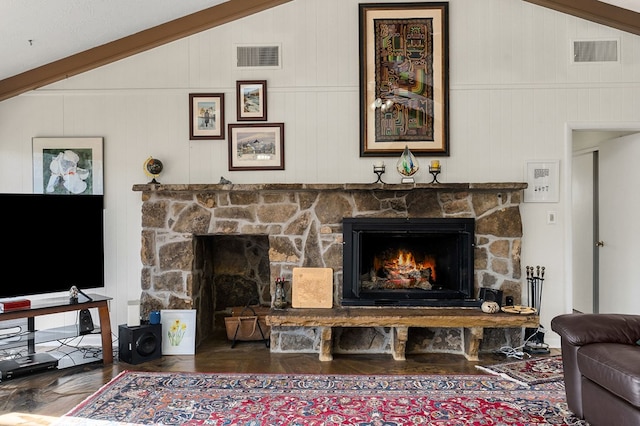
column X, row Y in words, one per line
column 280, row 301
column 490, row 307
column 407, row 166
column 73, row 294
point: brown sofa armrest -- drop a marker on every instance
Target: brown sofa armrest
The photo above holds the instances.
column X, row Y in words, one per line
column 581, row 329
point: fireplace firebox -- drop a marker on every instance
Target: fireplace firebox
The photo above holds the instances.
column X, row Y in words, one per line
column 408, row 262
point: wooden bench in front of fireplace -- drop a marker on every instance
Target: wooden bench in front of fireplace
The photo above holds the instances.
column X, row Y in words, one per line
column 472, row 320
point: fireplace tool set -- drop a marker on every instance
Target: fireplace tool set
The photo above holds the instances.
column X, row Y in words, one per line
column 534, row 337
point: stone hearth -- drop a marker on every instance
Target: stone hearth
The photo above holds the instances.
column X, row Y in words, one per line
column 302, row 224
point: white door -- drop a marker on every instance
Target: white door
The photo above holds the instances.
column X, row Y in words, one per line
column 619, row 225
column 582, row 199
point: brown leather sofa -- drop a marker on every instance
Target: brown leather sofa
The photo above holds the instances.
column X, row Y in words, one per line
column 601, row 359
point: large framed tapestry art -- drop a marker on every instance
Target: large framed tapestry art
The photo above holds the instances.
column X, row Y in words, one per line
column 404, row 78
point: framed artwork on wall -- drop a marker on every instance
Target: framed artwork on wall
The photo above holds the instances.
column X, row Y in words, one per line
column 206, row 116
column 404, row 83
column 68, row 166
column 178, row 331
column 251, row 97
column 543, row 181
column 256, row 146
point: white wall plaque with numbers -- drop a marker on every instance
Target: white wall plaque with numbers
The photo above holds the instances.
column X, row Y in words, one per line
column 543, row 178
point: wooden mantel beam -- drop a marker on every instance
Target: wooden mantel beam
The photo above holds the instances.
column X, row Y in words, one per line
column 596, row 11
column 136, row 43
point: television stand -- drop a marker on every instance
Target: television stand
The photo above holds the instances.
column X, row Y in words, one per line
column 58, row 305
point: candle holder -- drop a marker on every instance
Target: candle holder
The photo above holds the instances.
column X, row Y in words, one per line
column 435, row 171
column 378, row 170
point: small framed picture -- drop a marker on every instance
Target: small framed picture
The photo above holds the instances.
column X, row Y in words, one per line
column 251, row 100
column 256, row 146
column 68, row 166
column 543, row 181
column 206, row 116
column 178, row 331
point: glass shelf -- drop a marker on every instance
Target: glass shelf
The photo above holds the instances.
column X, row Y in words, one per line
column 18, row 336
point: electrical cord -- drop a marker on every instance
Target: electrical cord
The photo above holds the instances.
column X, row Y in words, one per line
column 518, row 352
column 7, row 354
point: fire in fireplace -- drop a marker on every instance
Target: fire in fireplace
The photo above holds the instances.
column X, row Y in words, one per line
column 408, row 262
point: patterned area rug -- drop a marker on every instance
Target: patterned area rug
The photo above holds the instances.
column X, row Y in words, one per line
column 241, row 399
column 531, row 371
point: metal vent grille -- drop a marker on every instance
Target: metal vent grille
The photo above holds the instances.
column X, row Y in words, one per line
column 596, row 51
column 258, row 56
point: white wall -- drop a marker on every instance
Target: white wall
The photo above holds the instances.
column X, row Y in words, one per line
column 512, row 93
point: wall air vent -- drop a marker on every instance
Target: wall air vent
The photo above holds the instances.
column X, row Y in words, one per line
column 590, row 51
column 258, row 56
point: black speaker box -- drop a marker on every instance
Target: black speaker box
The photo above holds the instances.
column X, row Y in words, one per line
column 85, row 322
column 491, row 295
column 139, row 344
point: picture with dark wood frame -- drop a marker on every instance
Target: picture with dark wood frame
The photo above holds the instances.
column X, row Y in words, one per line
column 256, row 146
column 206, row 116
column 251, row 96
column 404, row 89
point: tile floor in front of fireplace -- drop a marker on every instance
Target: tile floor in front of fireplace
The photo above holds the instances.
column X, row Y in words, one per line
column 53, row 393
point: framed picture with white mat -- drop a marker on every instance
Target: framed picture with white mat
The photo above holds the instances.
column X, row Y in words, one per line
column 178, row 331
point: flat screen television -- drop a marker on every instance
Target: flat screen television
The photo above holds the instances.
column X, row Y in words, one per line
column 51, row 242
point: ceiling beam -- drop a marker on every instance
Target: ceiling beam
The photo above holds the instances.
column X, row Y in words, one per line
column 591, row 10
column 596, row 11
column 194, row 23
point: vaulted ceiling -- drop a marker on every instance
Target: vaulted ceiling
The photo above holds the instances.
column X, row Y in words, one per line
column 44, row 41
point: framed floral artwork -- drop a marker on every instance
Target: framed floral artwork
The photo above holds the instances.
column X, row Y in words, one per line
column 178, row 331
column 70, row 166
column 251, row 97
column 206, row 116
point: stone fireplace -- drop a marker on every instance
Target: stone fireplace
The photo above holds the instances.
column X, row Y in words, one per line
column 189, row 230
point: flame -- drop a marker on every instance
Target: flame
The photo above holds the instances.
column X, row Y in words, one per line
column 406, row 261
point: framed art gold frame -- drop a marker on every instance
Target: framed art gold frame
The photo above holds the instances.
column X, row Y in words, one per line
column 251, row 100
column 404, row 88
column 206, row 116
column 256, row 146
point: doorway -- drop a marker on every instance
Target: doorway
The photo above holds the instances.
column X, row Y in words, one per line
column 603, row 203
column 584, row 207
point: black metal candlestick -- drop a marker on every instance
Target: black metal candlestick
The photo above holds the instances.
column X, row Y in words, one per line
column 378, row 170
column 435, row 171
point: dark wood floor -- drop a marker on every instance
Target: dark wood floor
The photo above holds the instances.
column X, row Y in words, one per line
column 54, row 393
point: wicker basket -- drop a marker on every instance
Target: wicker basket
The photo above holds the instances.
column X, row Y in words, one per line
column 243, row 327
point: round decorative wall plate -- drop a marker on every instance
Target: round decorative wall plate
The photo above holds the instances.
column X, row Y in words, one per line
column 520, row 310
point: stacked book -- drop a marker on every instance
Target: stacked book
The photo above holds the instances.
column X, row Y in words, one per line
column 14, row 304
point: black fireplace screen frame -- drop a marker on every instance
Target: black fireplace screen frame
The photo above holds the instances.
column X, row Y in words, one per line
column 458, row 293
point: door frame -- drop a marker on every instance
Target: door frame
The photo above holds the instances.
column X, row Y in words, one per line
column 567, row 173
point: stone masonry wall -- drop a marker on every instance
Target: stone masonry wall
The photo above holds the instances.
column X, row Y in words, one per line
column 303, row 223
